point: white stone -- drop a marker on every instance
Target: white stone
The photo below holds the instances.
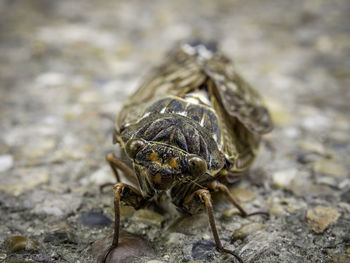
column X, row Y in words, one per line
column 51, row 79
column 6, row 162
column 99, row 177
column 284, row 178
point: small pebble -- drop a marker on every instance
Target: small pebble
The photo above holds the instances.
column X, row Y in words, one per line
column 230, row 212
column 99, row 177
column 312, row 147
column 279, row 114
column 320, row 217
column 88, row 97
column 187, row 252
column 4, row 148
column 276, row 210
column 58, row 205
column 329, row 167
column 174, row 238
column 61, row 156
column 283, row 179
column 327, row 180
column 246, row 230
column 16, row 243
column 60, row 237
column 340, row 258
column 50, row 79
column 203, row 250
column 38, row 149
column 6, row 162
column 292, row 208
column 129, row 248
column 148, row 217
column 94, row 219
column 154, row 261
column 305, row 158
column 206, row 236
column 242, row 194
column 190, row 224
column 23, row 180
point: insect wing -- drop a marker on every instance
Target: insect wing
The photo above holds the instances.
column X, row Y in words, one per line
column 177, row 76
column 239, row 99
column 237, row 142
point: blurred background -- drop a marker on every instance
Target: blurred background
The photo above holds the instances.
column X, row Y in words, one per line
column 66, row 67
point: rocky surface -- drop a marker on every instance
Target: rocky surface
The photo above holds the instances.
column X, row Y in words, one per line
column 66, row 68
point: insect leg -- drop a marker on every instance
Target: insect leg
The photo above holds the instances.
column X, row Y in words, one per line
column 128, row 195
column 205, row 197
column 217, row 186
column 229, row 177
column 116, row 164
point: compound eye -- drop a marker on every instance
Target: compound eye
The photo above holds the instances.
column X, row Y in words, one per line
column 133, row 146
column 197, row 165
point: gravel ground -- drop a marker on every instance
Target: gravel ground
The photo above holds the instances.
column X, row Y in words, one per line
column 67, row 67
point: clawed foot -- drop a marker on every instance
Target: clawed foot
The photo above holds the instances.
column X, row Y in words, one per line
column 232, row 253
column 107, row 254
column 103, row 186
column 264, row 213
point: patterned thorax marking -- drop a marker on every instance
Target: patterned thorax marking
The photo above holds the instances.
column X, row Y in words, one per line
column 190, row 107
column 187, row 126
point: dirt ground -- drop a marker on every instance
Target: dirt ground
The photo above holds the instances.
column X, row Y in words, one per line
column 67, row 67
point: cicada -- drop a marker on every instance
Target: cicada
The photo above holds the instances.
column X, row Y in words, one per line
column 187, row 130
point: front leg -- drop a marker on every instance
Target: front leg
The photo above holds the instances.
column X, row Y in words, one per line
column 217, row 186
column 129, row 196
column 192, row 203
column 116, row 164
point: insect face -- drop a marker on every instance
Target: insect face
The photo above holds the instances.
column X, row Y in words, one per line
column 159, row 166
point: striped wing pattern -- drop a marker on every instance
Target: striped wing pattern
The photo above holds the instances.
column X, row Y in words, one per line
column 239, row 99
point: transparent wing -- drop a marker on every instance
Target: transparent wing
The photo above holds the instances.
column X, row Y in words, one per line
column 237, row 142
column 238, row 98
column 179, row 75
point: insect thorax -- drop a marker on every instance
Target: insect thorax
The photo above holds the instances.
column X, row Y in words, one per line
column 188, row 126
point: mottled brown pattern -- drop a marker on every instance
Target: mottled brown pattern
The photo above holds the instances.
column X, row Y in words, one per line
column 238, row 119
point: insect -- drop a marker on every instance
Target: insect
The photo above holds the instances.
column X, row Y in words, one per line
column 191, row 127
